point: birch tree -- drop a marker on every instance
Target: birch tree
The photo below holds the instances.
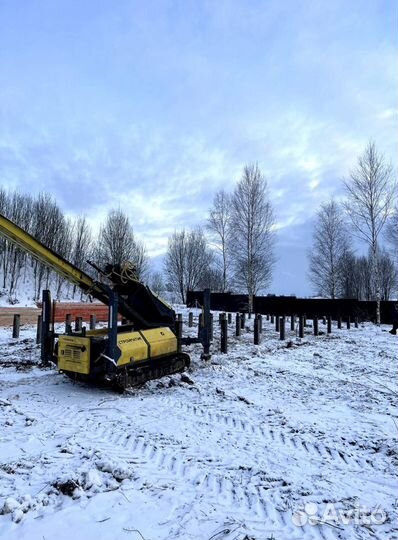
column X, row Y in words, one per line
column 349, row 283
column 370, row 192
column 115, row 239
column 3, row 241
column 212, row 279
column 116, row 244
column 82, row 245
column 139, row 257
column 252, row 232
column 186, row 261
column 219, row 225
column 18, row 208
column 358, row 273
column 156, row 283
column 48, row 226
column 391, row 233
column 388, row 275
column 328, row 252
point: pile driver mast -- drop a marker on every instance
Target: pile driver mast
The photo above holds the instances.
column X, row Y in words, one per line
column 143, row 349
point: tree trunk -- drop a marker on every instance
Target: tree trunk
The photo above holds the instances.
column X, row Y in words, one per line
column 376, row 277
column 378, row 316
column 251, row 303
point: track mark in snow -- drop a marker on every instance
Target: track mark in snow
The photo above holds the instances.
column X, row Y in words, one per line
column 314, row 449
column 238, row 494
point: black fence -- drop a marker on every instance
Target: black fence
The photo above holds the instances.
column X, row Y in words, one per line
column 290, row 305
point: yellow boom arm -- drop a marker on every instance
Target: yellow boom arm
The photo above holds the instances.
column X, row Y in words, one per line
column 48, row 257
column 144, row 308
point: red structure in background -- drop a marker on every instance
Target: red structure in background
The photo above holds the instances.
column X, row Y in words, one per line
column 80, row 310
column 75, row 309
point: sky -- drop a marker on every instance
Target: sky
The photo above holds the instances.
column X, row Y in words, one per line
column 154, row 106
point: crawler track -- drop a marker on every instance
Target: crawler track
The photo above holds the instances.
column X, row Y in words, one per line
column 130, row 378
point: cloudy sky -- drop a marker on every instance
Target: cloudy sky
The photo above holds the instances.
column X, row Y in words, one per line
column 156, row 105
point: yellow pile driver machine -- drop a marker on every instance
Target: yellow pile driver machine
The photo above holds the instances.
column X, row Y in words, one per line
column 147, row 347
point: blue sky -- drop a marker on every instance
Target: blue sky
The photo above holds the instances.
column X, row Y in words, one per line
column 156, row 105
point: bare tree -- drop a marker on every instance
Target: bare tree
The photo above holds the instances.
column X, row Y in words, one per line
column 115, row 239
column 3, row 201
column 82, row 246
column 3, row 242
column 186, row 259
column 43, row 218
column 18, row 208
column 140, row 260
column 359, row 274
column 48, row 226
column 369, row 198
column 82, row 243
column 219, row 225
column 358, row 271
column 349, row 282
column 391, row 232
column 156, row 283
column 63, row 245
column 212, row 279
column 174, row 263
column 363, row 277
column 252, row 225
column 328, row 251
column 388, row 275
column 116, row 244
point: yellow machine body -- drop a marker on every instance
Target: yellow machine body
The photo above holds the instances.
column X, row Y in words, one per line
column 145, row 344
column 74, row 352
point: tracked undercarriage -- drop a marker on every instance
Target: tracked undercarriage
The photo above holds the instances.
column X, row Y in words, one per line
column 130, row 377
column 137, row 376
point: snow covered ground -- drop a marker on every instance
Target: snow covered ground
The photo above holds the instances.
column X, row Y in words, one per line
column 267, row 442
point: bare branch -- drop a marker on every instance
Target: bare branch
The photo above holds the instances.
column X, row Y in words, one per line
column 328, row 251
column 252, row 231
column 370, row 191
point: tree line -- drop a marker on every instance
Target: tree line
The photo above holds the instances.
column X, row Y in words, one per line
column 73, row 239
column 238, row 252
column 233, row 250
column 368, row 214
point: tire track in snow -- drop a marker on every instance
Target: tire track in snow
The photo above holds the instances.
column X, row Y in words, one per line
column 231, row 426
column 233, row 491
column 163, row 460
column 96, row 419
column 291, row 442
column 239, row 494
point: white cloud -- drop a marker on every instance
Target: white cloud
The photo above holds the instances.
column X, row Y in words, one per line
column 155, row 109
column 388, row 114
